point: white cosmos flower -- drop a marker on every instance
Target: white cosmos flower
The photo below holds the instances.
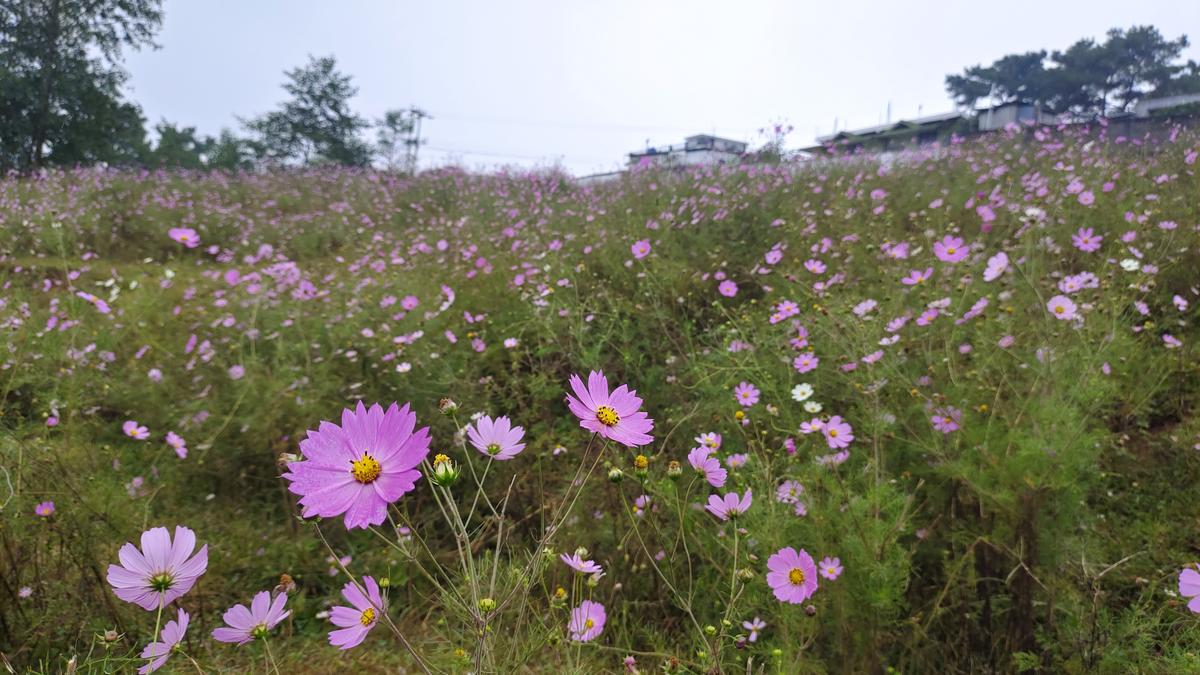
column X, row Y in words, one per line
column 1130, row 265
column 802, row 392
column 812, row 407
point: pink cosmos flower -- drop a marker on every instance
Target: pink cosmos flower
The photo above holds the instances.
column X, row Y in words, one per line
column 838, row 432
column 995, row 266
column 587, row 621
column 184, row 235
column 727, row 288
column 158, row 652
column 356, row 621
column 746, row 394
column 754, row 627
column 497, row 439
column 1061, row 308
column 577, row 563
column 773, row 256
column 409, row 303
column 1171, row 341
column 702, row 461
column 359, row 468
column 831, row 568
column 791, row 575
column 614, row 416
column 1086, row 240
column 243, row 625
column 710, row 439
column 736, row 461
column 815, row 266
column 917, row 276
column 44, row 509
column 99, row 303
column 729, row 506
column 134, row 430
column 946, row 420
column 1189, row 587
column 805, row 363
column 177, row 444
column 236, row 372
column 950, row 249
column 789, row 492
column 161, row 571
column 640, row 248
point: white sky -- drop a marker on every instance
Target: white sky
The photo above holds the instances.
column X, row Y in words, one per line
column 582, row 83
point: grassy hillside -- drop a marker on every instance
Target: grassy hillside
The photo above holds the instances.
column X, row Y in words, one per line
column 1006, row 328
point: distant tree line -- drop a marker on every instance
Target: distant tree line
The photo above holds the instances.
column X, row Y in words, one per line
column 1089, row 78
column 61, row 102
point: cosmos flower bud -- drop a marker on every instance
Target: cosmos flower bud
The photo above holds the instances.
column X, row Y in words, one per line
column 447, row 406
column 445, row 472
column 641, row 464
column 384, row 582
column 674, row 470
column 616, row 475
column 710, row 630
column 487, row 604
column 810, row 610
column 746, row 574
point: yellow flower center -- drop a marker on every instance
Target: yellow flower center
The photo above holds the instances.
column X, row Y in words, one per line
column 607, row 415
column 833, row 433
column 493, row 448
column 641, row 462
column 796, row 576
column 368, row 616
column 365, row 469
column 440, row 459
column 1060, row 309
column 589, row 624
column 950, row 251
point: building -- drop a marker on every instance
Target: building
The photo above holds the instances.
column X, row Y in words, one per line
column 895, row 136
column 699, row 149
column 1168, row 105
column 1015, row 112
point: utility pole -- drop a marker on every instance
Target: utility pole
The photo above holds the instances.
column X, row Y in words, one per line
column 413, row 142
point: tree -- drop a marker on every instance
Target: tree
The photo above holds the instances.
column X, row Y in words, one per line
column 1142, row 63
column 1016, row 77
column 179, row 148
column 231, row 153
column 316, row 124
column 391, row 136
column 1087, row 78
column 60, row 80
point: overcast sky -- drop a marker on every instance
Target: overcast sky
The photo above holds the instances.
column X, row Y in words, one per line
column 582, row 83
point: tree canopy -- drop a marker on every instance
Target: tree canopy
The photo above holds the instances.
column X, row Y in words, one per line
column 316, row 124
column 1087, row 78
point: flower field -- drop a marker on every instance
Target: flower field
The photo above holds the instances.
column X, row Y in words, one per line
column 928, row 416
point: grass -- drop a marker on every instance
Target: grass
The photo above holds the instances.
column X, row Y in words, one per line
column 1044, row 534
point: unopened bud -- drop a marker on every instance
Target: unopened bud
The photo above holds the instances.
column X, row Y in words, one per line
column 447, row 406
column 674, row 470
column 487, row 604
column 616, row 475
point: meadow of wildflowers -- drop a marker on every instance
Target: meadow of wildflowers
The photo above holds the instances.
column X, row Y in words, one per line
column 934, row 416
